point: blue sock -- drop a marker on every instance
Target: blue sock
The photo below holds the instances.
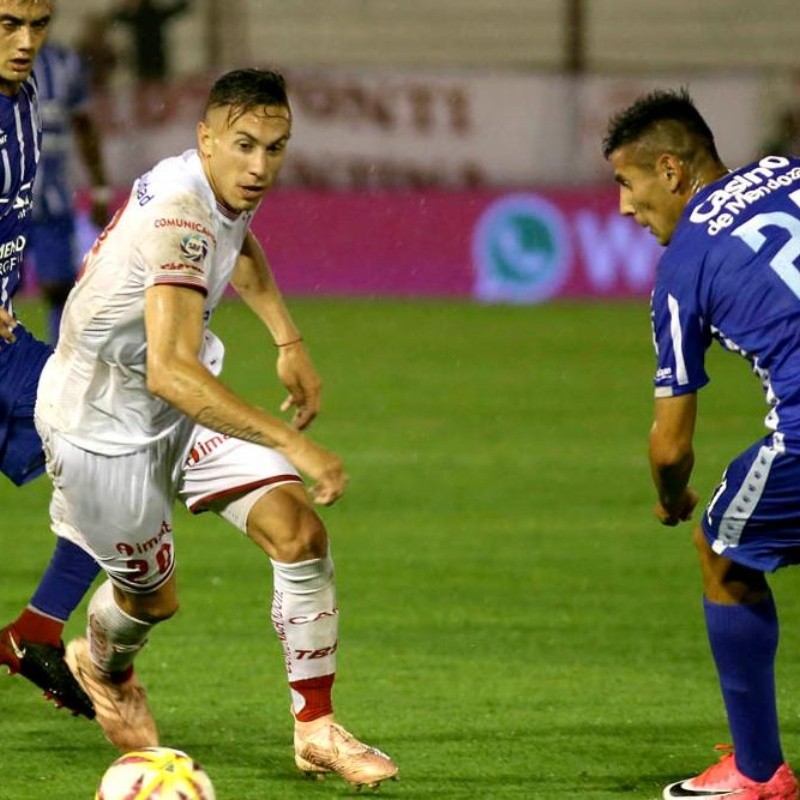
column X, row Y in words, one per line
column 68, row 577
column 744, row 641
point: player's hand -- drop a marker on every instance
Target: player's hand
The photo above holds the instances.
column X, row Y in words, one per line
column 7, row 325
column 297, row 374
column 679, row 511
column 322, row 466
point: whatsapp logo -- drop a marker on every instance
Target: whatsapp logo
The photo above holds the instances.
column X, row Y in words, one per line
column 520, row 250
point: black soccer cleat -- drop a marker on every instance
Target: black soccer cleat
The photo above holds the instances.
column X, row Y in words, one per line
column 44, row 666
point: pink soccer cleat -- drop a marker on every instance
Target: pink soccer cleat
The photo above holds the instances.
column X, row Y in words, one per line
column 723, row 780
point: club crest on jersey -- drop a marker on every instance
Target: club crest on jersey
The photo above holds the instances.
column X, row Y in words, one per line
column 194, row 248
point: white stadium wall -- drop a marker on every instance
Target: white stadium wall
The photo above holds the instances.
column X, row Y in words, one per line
column 620, row 35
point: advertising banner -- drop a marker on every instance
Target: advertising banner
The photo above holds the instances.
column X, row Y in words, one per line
column 510, row 247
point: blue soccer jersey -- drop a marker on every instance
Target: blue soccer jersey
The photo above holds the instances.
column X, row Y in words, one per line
column 732, row 273
column 21, row 457
column 63, row 85
column 20, row 145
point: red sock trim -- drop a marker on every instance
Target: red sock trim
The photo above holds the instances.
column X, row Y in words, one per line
column 34, row 627
column 317, row 695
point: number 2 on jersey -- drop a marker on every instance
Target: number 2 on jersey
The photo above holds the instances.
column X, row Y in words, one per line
column 785, row 261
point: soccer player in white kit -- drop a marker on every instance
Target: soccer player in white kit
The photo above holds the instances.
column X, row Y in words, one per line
column 133, row 417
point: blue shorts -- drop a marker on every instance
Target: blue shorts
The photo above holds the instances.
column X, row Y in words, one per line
column 753, row 517
column 51, row 244
column 21, row 364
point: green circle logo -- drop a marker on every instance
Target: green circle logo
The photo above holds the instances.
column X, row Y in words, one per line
column 521, row 250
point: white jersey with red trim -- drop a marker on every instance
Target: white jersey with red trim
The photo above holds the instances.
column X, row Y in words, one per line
column 170, row 231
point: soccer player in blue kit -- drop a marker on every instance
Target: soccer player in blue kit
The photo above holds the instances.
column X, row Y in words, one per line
column 730, row 272
column 32, row 644
column 64, row 104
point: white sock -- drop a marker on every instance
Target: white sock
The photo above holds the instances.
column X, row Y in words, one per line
column 114, row 636
column 306, row 619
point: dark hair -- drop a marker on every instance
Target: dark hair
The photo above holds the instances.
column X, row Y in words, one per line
column 245, row 89
column 649, row 111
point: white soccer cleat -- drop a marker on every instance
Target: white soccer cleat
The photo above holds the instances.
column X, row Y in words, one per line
column 330, row 748
column 122, row 709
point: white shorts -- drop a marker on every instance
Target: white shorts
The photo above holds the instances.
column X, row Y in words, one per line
column 119, row 508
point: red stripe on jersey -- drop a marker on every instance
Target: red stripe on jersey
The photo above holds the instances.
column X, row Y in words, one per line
column 189, row 283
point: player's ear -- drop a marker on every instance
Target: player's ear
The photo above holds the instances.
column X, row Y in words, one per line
column 671, row 170
column 204, row 139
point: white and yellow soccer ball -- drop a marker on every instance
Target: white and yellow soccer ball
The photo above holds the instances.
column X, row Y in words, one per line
column 155, row 773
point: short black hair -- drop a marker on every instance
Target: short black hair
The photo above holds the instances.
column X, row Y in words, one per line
column 660, row 106
column 245, row 89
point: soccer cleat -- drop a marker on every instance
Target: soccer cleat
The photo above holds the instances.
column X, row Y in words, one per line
column 44, row 666
column 723, row 780
column 330, row 748
column 122, row 710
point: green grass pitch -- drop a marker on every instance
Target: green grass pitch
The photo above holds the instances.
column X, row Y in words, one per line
column 515, row 624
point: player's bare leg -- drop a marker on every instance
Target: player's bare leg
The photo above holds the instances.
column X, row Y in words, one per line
column 305, row 616
column 119, row 624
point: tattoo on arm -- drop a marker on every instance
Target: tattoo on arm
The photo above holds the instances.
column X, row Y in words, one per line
column 210, row 419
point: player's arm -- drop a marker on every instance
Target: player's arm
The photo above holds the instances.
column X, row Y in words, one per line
column 672, row 456
column 174, row 330
column 254, row 283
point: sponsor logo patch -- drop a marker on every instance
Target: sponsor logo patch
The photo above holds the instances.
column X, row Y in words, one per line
column 194, row 247
column 188, row 224
column 180, row 266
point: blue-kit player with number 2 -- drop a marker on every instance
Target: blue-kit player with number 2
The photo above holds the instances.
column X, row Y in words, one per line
column 31, row 645
column 730, row 272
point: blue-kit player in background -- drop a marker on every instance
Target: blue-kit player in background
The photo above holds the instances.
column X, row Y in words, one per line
column 730, row 272
column 32, row 644
column 65, row 110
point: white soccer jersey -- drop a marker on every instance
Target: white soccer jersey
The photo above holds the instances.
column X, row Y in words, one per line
column 170, row 231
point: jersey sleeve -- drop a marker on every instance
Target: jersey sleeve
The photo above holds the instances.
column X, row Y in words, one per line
column 681, row 339
column 177, row 243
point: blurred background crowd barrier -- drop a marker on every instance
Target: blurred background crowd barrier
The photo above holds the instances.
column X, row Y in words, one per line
column 450, row 147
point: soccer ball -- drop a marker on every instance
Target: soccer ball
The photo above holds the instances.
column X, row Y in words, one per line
column 155, row 773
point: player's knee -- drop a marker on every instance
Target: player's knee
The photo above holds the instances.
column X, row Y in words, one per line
column 286, row 526
column 701, row 543
column 299, row 537
column 160, row 612
column 307, row 539
column 725, row 581
column 151, row 608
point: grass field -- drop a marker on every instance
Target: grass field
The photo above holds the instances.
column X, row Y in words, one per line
column 515, row 624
